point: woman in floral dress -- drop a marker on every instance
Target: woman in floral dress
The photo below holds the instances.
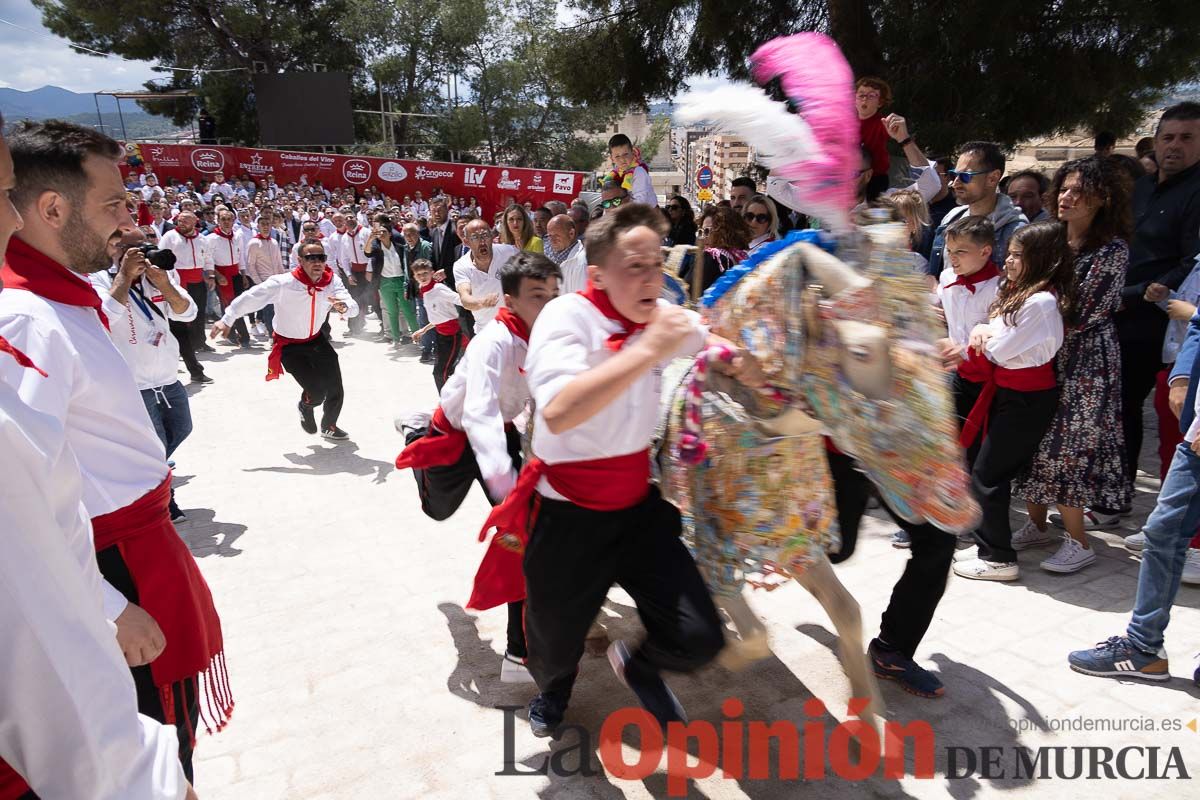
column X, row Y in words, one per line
column 1081, row 460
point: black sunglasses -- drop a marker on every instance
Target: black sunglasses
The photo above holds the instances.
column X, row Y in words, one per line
column 761, row 219
column 315, row 257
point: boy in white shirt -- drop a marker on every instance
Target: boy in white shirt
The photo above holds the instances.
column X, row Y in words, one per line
column 441, row 309
column 594, row 368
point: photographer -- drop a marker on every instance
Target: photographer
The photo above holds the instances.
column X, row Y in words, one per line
column 140, row 298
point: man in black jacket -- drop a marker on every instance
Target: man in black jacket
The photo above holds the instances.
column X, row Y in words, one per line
column 444, row 241
column 1166, row 238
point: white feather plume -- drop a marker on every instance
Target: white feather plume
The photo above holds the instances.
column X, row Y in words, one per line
column 779, row 137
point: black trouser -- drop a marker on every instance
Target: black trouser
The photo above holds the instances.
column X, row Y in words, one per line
column 314, row 365
column 447, row 350
column 183, row 335
column 1140, row 365
column 240, row 284
column 199, row 293
column 1016, row 424
column 916, row 595
column 361, row 291
column 574, row 555
column 965, row 394
column 443, row 489
column 112, row 567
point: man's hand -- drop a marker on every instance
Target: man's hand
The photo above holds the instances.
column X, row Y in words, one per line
column 416, row 337
column 158, row 278
column 370, row 276
column 1177, row 396
column 1156, row 293
column 897, row 127
column 138, row 635
column 222, row 280
column 209, row 282
column 489, row 300
column 979, row 337
column 133, row 264
column 218, row 329
column 1180, row 310
column 1196, row 445
column 666, row 330
column 952, row 354
column 439, row 276
column 338, row 306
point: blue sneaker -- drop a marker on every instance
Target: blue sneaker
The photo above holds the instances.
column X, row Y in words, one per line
column 1116, row 657
column 545, row 715
column 892, row 665
column 654, row 695
column 901, row 539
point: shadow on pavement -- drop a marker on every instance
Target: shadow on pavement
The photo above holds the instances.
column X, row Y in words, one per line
column 204, row 536
column 332, row 460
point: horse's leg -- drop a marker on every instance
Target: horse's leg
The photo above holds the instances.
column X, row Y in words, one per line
column 753, row 644
column 822, row 583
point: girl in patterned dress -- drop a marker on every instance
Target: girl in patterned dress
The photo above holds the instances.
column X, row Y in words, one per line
column 1081, row 462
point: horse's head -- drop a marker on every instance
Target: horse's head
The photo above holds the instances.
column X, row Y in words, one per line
column 857, row 350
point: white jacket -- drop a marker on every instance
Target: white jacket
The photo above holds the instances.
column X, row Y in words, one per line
column 298, row 314
column 143, row 336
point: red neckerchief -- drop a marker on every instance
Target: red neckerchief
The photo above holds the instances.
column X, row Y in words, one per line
column 427, row 288
column 599, row 298
column 194, row 234
column 989, row 270
column 260, row 236
column 22, row 359
column 514, row 323
column 326, row 278
column 223, row 234
column 34, row 271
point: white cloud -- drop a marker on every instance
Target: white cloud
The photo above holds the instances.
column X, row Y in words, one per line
column 32, row 61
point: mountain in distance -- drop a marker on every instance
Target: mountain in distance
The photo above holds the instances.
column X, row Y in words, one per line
column 54, row 102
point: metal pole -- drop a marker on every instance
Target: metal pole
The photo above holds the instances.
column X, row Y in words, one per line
column 382, row 114
column 99, row 118
column 124, row 136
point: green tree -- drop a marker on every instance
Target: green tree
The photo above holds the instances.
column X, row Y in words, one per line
column 1005, row 70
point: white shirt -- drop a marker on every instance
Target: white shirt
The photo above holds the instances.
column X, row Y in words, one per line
column 143, row 337
column 643, row 188
column 227, row 252
column 574, row 270
column 486, row 391
column 298, row 315
column 150, row 192
column 441, row 303
column 335, row 249
column 92, row 390
column 758, row 240
column 963, row 309
column 190, row 253
column 1033, row 340
column 327, row 227
column 484, row 283
column 354, row 244
column 568, row 339
column 71, row 726
column 392, row 267
column 420, row 208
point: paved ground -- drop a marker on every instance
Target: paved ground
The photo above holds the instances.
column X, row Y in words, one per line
column 358, row 674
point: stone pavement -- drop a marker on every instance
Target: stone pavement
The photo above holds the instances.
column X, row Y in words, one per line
column 357, row 673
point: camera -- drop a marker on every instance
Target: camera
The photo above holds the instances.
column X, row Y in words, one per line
column 163, row 259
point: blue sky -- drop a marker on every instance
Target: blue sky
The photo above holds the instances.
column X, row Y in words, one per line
column 32, row 61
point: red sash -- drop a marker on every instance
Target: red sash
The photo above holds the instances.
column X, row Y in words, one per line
column 1029, row 379
column 603, row 484
column 171, row 589
column 225, row 292
column 33, row 271
column 976, row 368
column 450, row 326
column 275, row 357
column 441, row 446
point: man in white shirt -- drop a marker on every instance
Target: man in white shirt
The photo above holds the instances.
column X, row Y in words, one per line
column 218, row 187
column 301, row 338
column 227, row 246
column 360, row 276
column 194, row 267
column 140, row 299
column 419, row 207
column 477, row 274
column 568, row 253
column 51, row 312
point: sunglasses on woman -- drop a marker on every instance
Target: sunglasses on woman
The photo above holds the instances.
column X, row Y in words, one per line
column 761, row 219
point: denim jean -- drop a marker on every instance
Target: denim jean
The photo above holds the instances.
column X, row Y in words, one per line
column 169, row 411
column 430, row 337
column 1168, row 530
column 267, row 317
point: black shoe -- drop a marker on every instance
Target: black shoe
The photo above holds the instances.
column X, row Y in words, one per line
column 201, row 378
column 426, row 358
column 307, row 420
column 177, row 514
column 205, row 348
column 654, row 695
column 545, row 715
column 335, row 434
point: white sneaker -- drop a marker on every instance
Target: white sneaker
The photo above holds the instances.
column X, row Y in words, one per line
column 260, row 329
column 1030, row 535
column 967, row 553
column 1071, row 557
column 1136, row 542
column 513, row 670
column 977, row 569
column 1092, row 520
column 1191, row 567
column 414, row 420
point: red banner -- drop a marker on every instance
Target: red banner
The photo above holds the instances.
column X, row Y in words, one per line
column 492, row 186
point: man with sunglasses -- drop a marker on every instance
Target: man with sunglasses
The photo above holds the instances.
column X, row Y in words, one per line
column 303, row 299
column 975, row 181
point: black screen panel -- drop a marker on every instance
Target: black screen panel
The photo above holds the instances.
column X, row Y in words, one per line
column 288, row 115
